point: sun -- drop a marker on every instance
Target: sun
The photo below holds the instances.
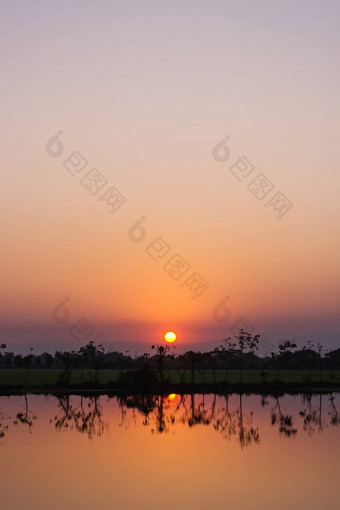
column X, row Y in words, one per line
column 170, row 336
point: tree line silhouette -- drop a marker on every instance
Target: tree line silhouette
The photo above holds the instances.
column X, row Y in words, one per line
column 149, row 371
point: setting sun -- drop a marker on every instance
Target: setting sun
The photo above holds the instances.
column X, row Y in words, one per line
column 170, row 336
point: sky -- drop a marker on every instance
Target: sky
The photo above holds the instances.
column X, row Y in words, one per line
column 170, row 114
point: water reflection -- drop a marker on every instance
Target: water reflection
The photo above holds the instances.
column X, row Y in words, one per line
column 232, row 416
column 283, row 419
column 26, row 416
column 162, row 414
column 238, row 424
column 86, row 417
column 214, row 451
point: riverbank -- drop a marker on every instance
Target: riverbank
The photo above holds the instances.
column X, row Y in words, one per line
column 220, row 381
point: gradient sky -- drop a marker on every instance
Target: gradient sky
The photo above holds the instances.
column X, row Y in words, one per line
column 145, row 91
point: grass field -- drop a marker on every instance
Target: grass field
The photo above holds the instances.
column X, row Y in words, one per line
column 49, row 377
column 256, row 376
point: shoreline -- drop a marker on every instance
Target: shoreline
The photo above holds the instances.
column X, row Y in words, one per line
column 41, row 381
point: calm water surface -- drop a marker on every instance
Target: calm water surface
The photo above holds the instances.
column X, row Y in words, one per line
column 189, row 452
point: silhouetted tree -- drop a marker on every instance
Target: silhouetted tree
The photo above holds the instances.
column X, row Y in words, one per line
column 48, row 359
column 93, row 355
column 333, row 358
column 2, row 348
column 245, row 343
column 229, row 349
column 68, row 361
column 181, row 370
column 8, row 359
column 310, row 356
column 321, row 352
column 161, row 354
column 28, row 363
column 18, row 361
column 284, row 355
column 194, row 359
